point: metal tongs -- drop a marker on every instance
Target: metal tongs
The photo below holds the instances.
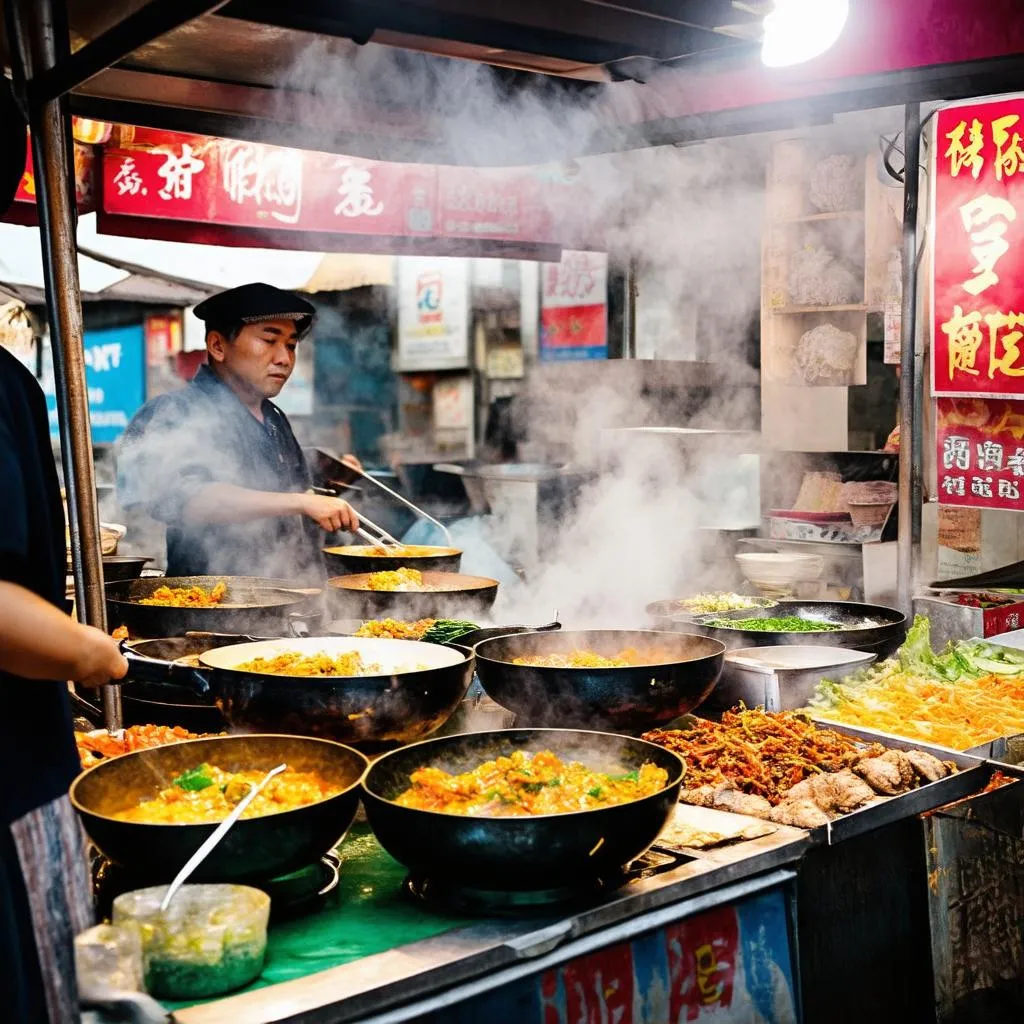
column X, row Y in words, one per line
column 383, row 538
column 386, row 538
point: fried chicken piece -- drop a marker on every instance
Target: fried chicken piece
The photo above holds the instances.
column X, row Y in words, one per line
column 928, row 766
column 803, row 813
column 803, row 790
column 881, row 775
column 908, row 774
column 840, row 792
column 728, row 798
column 702, row 796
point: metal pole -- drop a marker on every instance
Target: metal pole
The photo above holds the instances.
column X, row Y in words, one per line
column 629, row 318
column 911, row 478
column 35, row 24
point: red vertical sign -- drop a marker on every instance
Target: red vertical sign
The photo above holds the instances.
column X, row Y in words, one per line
column 978, row 226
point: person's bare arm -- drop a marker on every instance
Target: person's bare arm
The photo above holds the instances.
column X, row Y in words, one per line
column 38, row 641
column 228, row 503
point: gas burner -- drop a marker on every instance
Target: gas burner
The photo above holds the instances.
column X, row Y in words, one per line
column 290, row 895
column 450, row 896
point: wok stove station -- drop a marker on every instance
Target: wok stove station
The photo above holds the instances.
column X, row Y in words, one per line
column 785, row 867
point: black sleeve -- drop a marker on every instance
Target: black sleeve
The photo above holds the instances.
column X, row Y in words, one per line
column 14, row 538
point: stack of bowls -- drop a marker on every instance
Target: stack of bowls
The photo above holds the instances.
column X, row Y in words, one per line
column 776, row 573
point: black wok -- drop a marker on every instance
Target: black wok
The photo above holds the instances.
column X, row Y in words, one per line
column 463, row 597
column 355, row 559
column 256, row 848
column 520, row 853
column 629, row 699
column 253, row 604
column 395, row 706
column 865, row 627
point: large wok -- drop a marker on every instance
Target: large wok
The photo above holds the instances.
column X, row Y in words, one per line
column 463, row 597
column 871, row 628
column 253, row 604
column 520, row 853
column 395, row 706
column 256, row 848
column 629, row 699
column 354, row 558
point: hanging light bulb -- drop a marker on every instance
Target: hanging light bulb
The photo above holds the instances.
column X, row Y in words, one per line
column 798, row 30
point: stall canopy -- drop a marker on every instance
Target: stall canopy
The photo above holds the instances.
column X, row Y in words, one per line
column 391, row 80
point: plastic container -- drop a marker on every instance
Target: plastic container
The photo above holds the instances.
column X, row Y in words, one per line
column 211, row 940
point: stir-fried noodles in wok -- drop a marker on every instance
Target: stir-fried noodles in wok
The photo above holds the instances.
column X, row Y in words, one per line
column 528, row 784
column 585, row 659
column 187, row 597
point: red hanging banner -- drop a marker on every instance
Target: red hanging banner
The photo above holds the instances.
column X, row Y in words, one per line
column 978, row 245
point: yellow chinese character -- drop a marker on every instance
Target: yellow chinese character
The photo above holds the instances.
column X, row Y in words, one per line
column 1009, row 161
column 985, row 220
column 965, row 339
column 1006, row 361
column 969, row 155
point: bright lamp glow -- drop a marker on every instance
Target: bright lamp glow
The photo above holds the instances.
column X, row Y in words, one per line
column 798, row 30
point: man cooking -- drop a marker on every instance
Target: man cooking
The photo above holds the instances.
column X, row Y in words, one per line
column 217, row 461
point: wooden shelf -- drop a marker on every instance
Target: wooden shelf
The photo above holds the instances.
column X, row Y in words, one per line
column 856, row 307
column 811, row 218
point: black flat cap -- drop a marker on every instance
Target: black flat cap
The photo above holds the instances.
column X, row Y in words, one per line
column 251, row 303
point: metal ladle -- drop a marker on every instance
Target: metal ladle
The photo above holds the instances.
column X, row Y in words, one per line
column 216, row 836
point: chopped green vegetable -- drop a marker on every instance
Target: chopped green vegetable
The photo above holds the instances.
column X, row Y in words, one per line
column 444, row 631
column 194, row 779
column 533, row 787
column 782, row 624
column 596, row 792
column 633, row 776
column 556, row 781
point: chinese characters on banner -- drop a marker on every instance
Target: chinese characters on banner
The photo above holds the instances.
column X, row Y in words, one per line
column 574, row 307
column 978, row 223
column 980, row 455
column 246, row 185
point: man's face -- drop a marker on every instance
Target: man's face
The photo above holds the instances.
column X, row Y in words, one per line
column 261, row 358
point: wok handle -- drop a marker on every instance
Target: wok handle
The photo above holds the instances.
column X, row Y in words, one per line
column 155, row 670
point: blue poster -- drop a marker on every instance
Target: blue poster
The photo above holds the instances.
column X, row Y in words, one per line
column 115, row 373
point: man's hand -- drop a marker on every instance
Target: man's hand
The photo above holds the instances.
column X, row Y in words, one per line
column 330, row 513
column 100, row 658
column 352, row 462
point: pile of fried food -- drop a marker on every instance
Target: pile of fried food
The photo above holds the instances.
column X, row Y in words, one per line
column 962, row 697
column 394, row 629
column 395, row 580
column 780, row 767
column 187, row 597
column 585, row 659
column 290, row 663
column 528, row 784
column 207, row 794
column 98, row 746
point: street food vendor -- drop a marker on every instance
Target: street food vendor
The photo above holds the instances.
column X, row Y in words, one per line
column 45, row 898
column 217, row 461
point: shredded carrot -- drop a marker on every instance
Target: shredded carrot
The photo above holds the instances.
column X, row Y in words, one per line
column 958, row 715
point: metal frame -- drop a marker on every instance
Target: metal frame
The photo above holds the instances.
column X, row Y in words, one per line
column 911, row 477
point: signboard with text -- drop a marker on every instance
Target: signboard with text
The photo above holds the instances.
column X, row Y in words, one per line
column 978, row 230
column 574, row 307
column 980, row 457
column 196, row 179
column 115, row 374
column 433, row 313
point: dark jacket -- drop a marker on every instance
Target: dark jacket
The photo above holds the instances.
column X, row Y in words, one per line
column 182, row 441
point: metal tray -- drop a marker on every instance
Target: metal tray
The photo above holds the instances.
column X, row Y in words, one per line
column 973, row 775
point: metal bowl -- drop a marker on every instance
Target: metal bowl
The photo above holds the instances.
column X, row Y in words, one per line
column 352, row 558
column 256, row 848
column 781, row 678
column 123, row 567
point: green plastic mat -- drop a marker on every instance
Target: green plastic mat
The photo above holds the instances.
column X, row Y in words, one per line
column 368, row 913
